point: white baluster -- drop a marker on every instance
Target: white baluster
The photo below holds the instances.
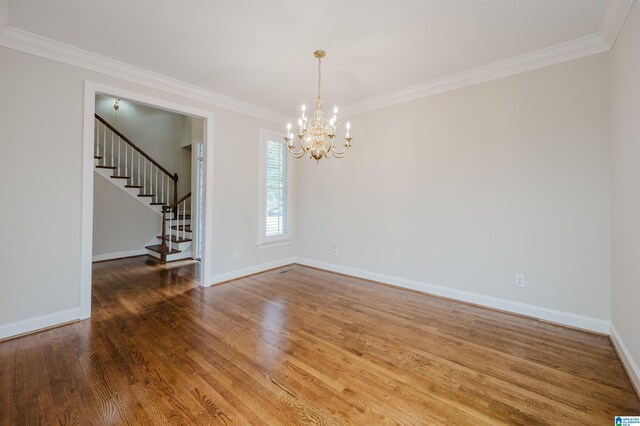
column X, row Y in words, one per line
column 161, row 189
column 156, row 191
column 184, row 219
column 170, row 230
column 96, row 147
column 118, row 169
column 153, row 199
column 126, row 162
column 144, row 177
column 139, row 155
column 112, row 148
column 104, row 145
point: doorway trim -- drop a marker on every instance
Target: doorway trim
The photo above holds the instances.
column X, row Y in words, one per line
column 91, row 88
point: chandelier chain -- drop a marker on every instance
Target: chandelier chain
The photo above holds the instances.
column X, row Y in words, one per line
column 319, row 75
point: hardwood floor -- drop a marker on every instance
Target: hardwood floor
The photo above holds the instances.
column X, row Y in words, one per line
column 296, row 346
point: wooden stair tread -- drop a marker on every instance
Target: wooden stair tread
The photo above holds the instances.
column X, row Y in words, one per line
column 158, row 204
column 134, row 186
column 146, row 195
column 181, row 228
column 106, row 167
column 120, row 177
column 174, row 239
column 97, row 157
column 158, row 249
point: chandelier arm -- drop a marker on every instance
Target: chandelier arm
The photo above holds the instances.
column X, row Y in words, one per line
column 294, row 153
column 342, row 153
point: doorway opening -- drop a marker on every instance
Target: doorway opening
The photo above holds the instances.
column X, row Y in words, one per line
column 145, row 174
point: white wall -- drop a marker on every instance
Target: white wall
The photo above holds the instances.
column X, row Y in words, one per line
column 467, row 188
column 625, row 107
column 121, row 224
column 41, row 114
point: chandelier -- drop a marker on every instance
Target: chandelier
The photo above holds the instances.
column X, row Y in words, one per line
column 317, row 134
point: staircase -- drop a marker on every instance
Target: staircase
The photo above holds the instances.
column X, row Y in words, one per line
column 124, row 164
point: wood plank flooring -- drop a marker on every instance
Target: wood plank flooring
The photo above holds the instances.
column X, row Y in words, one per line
column 302, row 346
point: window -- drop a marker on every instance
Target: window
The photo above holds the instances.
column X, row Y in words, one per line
column 275, row 194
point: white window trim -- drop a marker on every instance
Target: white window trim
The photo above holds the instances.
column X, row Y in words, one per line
column 276, row 240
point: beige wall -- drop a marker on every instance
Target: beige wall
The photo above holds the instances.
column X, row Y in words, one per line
column 465, row 189
column 41, row 114
column 625, row 106
column 120, row 223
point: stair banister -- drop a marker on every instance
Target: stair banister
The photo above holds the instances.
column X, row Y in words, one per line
column 115, row 132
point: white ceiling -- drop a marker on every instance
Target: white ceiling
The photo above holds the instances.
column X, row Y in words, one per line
column 260, row 51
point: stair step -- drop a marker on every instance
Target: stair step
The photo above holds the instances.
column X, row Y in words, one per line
column 106, row 167
column 174, row 239
column 97, row 157
column 146, row 195
column 120, row 177
column 158, row 249
column 158, row 204
column 134, row 186
column 181, row 228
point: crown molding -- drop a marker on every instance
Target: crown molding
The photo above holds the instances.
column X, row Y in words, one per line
column 36, row 45
column 611, row 23
column 574, row 49
column 613, row 19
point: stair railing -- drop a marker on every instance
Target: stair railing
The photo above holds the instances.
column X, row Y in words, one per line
column 146, row 173
column 175, row 211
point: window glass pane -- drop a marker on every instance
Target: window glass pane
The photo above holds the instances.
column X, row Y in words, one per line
column 276, row 174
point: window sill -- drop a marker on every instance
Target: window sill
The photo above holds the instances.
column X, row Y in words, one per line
column 272, row 244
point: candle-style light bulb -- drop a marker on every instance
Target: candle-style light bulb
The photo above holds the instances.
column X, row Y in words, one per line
column 348, row 128
column 304, row 108
column 288, row 127
column 335, row 109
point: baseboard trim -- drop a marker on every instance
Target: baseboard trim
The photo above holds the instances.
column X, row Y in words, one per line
column 251, row 270
column 629, row 364
column 118, row 255
column 546, row 314
column 40, row 323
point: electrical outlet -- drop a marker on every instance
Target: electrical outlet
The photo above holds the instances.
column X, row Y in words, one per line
column 234, row 255
column 334, row 250
column 520, row 282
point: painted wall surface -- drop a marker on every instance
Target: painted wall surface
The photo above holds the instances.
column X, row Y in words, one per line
column 625, row 107
column 468, row 188
column 42, row 153
column 121, row 223
column 157, row 132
